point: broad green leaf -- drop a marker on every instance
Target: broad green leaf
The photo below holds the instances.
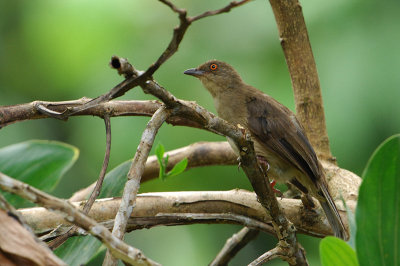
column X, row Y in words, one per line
column 40, row 164
column 352, row 224
column 336, row 252
column 79, row 250
column 178, row 168
column 115, row 180
column 378, row 208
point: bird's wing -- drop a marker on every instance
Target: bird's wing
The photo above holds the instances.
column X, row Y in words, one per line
column 276, row 127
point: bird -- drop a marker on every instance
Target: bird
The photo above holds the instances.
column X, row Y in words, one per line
column 279, row 138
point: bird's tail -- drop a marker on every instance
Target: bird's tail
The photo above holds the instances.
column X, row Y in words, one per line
column 332, row 214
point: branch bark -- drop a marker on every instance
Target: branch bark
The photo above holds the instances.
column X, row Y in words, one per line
column 296, row 46
column 152, row 208
column 134, row 175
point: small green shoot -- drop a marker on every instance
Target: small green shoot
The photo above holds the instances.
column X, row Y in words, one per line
column 163, row 162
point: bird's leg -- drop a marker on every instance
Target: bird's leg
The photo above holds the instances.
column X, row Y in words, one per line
column 265, row 168
column 239, row 163
column 307, row 201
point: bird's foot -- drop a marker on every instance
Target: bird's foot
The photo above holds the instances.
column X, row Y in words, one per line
column 263, row 163
column 308, row 202
column 275, row 190
column 239, row 163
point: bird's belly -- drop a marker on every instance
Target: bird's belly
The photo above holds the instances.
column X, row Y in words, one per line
column 279, row 169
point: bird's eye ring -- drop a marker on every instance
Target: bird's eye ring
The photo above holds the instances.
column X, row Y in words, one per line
column 213, row 66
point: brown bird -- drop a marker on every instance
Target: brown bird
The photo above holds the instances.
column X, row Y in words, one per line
column 278, row 136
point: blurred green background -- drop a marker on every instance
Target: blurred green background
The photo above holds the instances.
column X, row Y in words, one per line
column 59, row 50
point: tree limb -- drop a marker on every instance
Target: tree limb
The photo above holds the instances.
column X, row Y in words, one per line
column 150, row 206
column 134, row 175
column 303, row 72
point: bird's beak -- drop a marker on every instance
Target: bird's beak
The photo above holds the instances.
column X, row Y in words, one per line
column 194, row 72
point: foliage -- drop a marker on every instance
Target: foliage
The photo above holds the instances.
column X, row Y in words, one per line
column 377, row 215
column 163, row 162
column 40, row 164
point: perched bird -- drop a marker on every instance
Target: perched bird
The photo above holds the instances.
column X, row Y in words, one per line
column 278, row 136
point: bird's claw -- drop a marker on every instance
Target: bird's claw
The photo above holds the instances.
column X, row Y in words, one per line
column 239, row 163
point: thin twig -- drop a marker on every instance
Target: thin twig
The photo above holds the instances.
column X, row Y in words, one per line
column 233, row 245
column 95, row 191
column 219, row 11
column 134, row 175
column 170, row 50
column 274, row 253
column 72, row 214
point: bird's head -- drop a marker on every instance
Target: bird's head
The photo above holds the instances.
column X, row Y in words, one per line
column 216, row 76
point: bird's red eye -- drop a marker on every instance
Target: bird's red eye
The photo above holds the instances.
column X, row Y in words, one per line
column 213, row 66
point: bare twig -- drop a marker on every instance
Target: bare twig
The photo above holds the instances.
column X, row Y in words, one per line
column 72, row 214
column 133, row 81
column 219, row 11
column 99, row 183
column 134, row 175
column 95, row 191
column 28, row 111
column 277, row 252
column 233, row 245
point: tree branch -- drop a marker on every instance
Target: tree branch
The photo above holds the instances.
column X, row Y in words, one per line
column 134, row 175
column 71, row 214
column 233, row 245
column 277, row 252
column 149, row 207
column 303, row 72
column 198, row 154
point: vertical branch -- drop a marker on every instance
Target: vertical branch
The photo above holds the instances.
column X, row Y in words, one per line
column 303, row 72
column 134, row 176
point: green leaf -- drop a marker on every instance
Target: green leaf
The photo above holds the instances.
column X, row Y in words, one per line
column 352, row 224
column 160, row 150
column 178, row 168
column 336, row 252
column 114, row 181
column 79, row 250
column 378, row 208
column 41, row 164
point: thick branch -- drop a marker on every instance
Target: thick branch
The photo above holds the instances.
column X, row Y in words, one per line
column 198, row 154
column 277, row 252
column 303, row 72
column 29, row 111
column 151, row 210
